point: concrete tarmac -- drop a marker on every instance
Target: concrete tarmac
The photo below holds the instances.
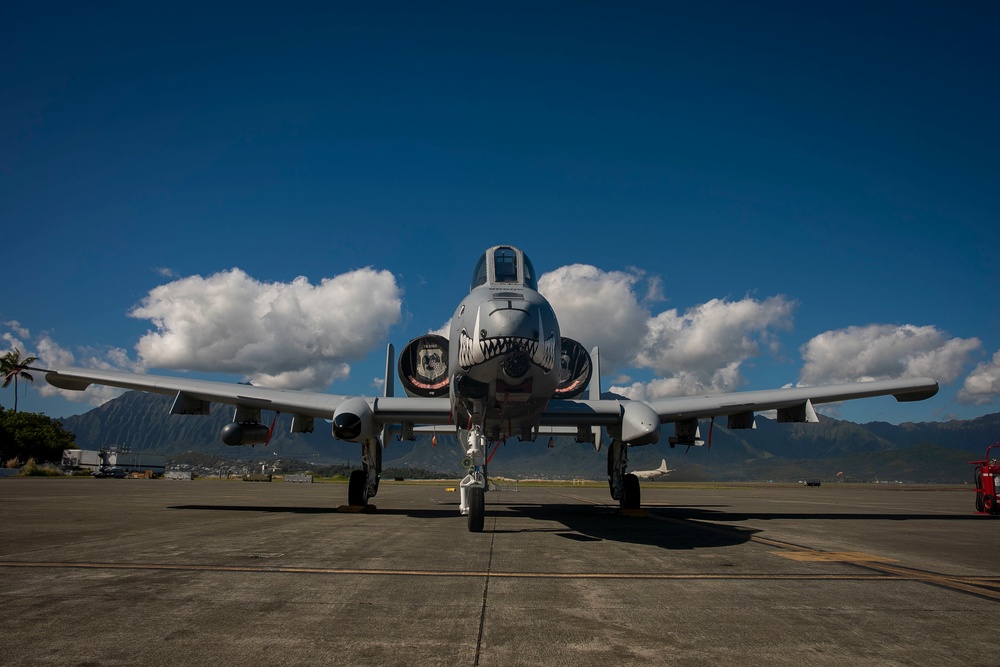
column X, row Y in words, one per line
column 157, row 572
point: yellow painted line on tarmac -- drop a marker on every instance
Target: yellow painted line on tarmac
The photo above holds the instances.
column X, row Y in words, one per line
column 987, row 587
column 983, row 586
column 832, row 557
column 262, row 569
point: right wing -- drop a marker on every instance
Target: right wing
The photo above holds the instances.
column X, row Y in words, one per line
column 637, row 420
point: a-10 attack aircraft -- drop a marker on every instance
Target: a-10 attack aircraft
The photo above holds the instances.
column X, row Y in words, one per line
column 505, row 371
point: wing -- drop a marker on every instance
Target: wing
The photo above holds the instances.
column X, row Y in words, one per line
column 638, row 419
column 789, row 400
column 194, row 396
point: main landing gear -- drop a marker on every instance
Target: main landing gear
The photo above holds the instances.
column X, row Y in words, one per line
column 473, row 485
column 624, row 485
column 363, row 483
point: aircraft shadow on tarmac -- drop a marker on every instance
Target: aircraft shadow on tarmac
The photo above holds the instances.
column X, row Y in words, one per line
column 257, row 508
column 581, row 523
column 723, row 516
column 592, row 524
column 686, row 527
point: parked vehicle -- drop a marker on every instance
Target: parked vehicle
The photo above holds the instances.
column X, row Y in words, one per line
column 988, row 480
column 117, row 473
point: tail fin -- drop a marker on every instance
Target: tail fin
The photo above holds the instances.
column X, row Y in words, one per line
column 595, row 393
column 389, row 389
column 663, row 466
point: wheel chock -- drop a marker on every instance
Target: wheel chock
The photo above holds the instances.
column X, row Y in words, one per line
column 357, row 509
column 640, row 513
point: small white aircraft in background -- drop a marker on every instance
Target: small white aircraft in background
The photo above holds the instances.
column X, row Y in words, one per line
column 650, row 475
column 505, row 371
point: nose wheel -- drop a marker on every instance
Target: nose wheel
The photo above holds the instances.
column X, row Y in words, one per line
column 473, row 485
column 477, row 509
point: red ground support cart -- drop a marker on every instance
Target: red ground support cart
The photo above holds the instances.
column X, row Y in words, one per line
column 988, row 480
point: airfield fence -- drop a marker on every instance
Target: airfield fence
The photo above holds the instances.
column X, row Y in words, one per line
column 503, row 485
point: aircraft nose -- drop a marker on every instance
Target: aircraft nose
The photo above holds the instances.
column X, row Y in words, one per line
column 510, row 321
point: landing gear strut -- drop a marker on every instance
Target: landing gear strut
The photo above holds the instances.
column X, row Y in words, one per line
column 624, row 485
column 364, row 483
column 473, row 485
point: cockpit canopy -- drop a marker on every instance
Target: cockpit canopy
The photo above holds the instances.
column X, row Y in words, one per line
column 504, row 265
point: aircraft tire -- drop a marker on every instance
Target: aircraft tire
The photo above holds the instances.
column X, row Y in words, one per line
column 356, row 489
column 477, row 509
column 631, row 495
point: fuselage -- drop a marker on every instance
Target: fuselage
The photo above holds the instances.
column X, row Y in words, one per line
column 504, row 351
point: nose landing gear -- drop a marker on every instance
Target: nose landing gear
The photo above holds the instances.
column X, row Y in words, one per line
column 473, row 485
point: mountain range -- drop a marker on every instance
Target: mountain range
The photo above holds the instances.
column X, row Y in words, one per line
column 830, row 450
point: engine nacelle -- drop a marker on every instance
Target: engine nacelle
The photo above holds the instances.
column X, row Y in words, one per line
column 353, row 421
column 640, row 423
column 423, row 367
column 574, row 370
column 244, row 434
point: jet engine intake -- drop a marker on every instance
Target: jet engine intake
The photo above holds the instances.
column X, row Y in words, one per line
column 235, row 433
column 574, row 371
column 353, row 421
column 423, row 367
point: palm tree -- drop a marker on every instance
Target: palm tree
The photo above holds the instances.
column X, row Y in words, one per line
column 12, row 367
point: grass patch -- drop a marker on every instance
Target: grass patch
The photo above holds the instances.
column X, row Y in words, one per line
column 33, row 469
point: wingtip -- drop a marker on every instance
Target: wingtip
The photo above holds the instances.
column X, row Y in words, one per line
column 62, row 382
column 919, row 393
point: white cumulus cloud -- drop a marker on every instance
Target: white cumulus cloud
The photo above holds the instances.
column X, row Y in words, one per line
column 18, row 330
column 884, row 351
column 983, row 384
column 599, row 308
column 289, row 335
column 701, row 349
column 51, row 354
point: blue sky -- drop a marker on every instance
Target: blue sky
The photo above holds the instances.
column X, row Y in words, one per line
column 769, row 193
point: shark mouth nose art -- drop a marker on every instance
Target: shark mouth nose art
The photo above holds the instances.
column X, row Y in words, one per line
column 476, row 349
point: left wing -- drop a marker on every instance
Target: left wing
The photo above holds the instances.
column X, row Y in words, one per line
column 194, row 396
